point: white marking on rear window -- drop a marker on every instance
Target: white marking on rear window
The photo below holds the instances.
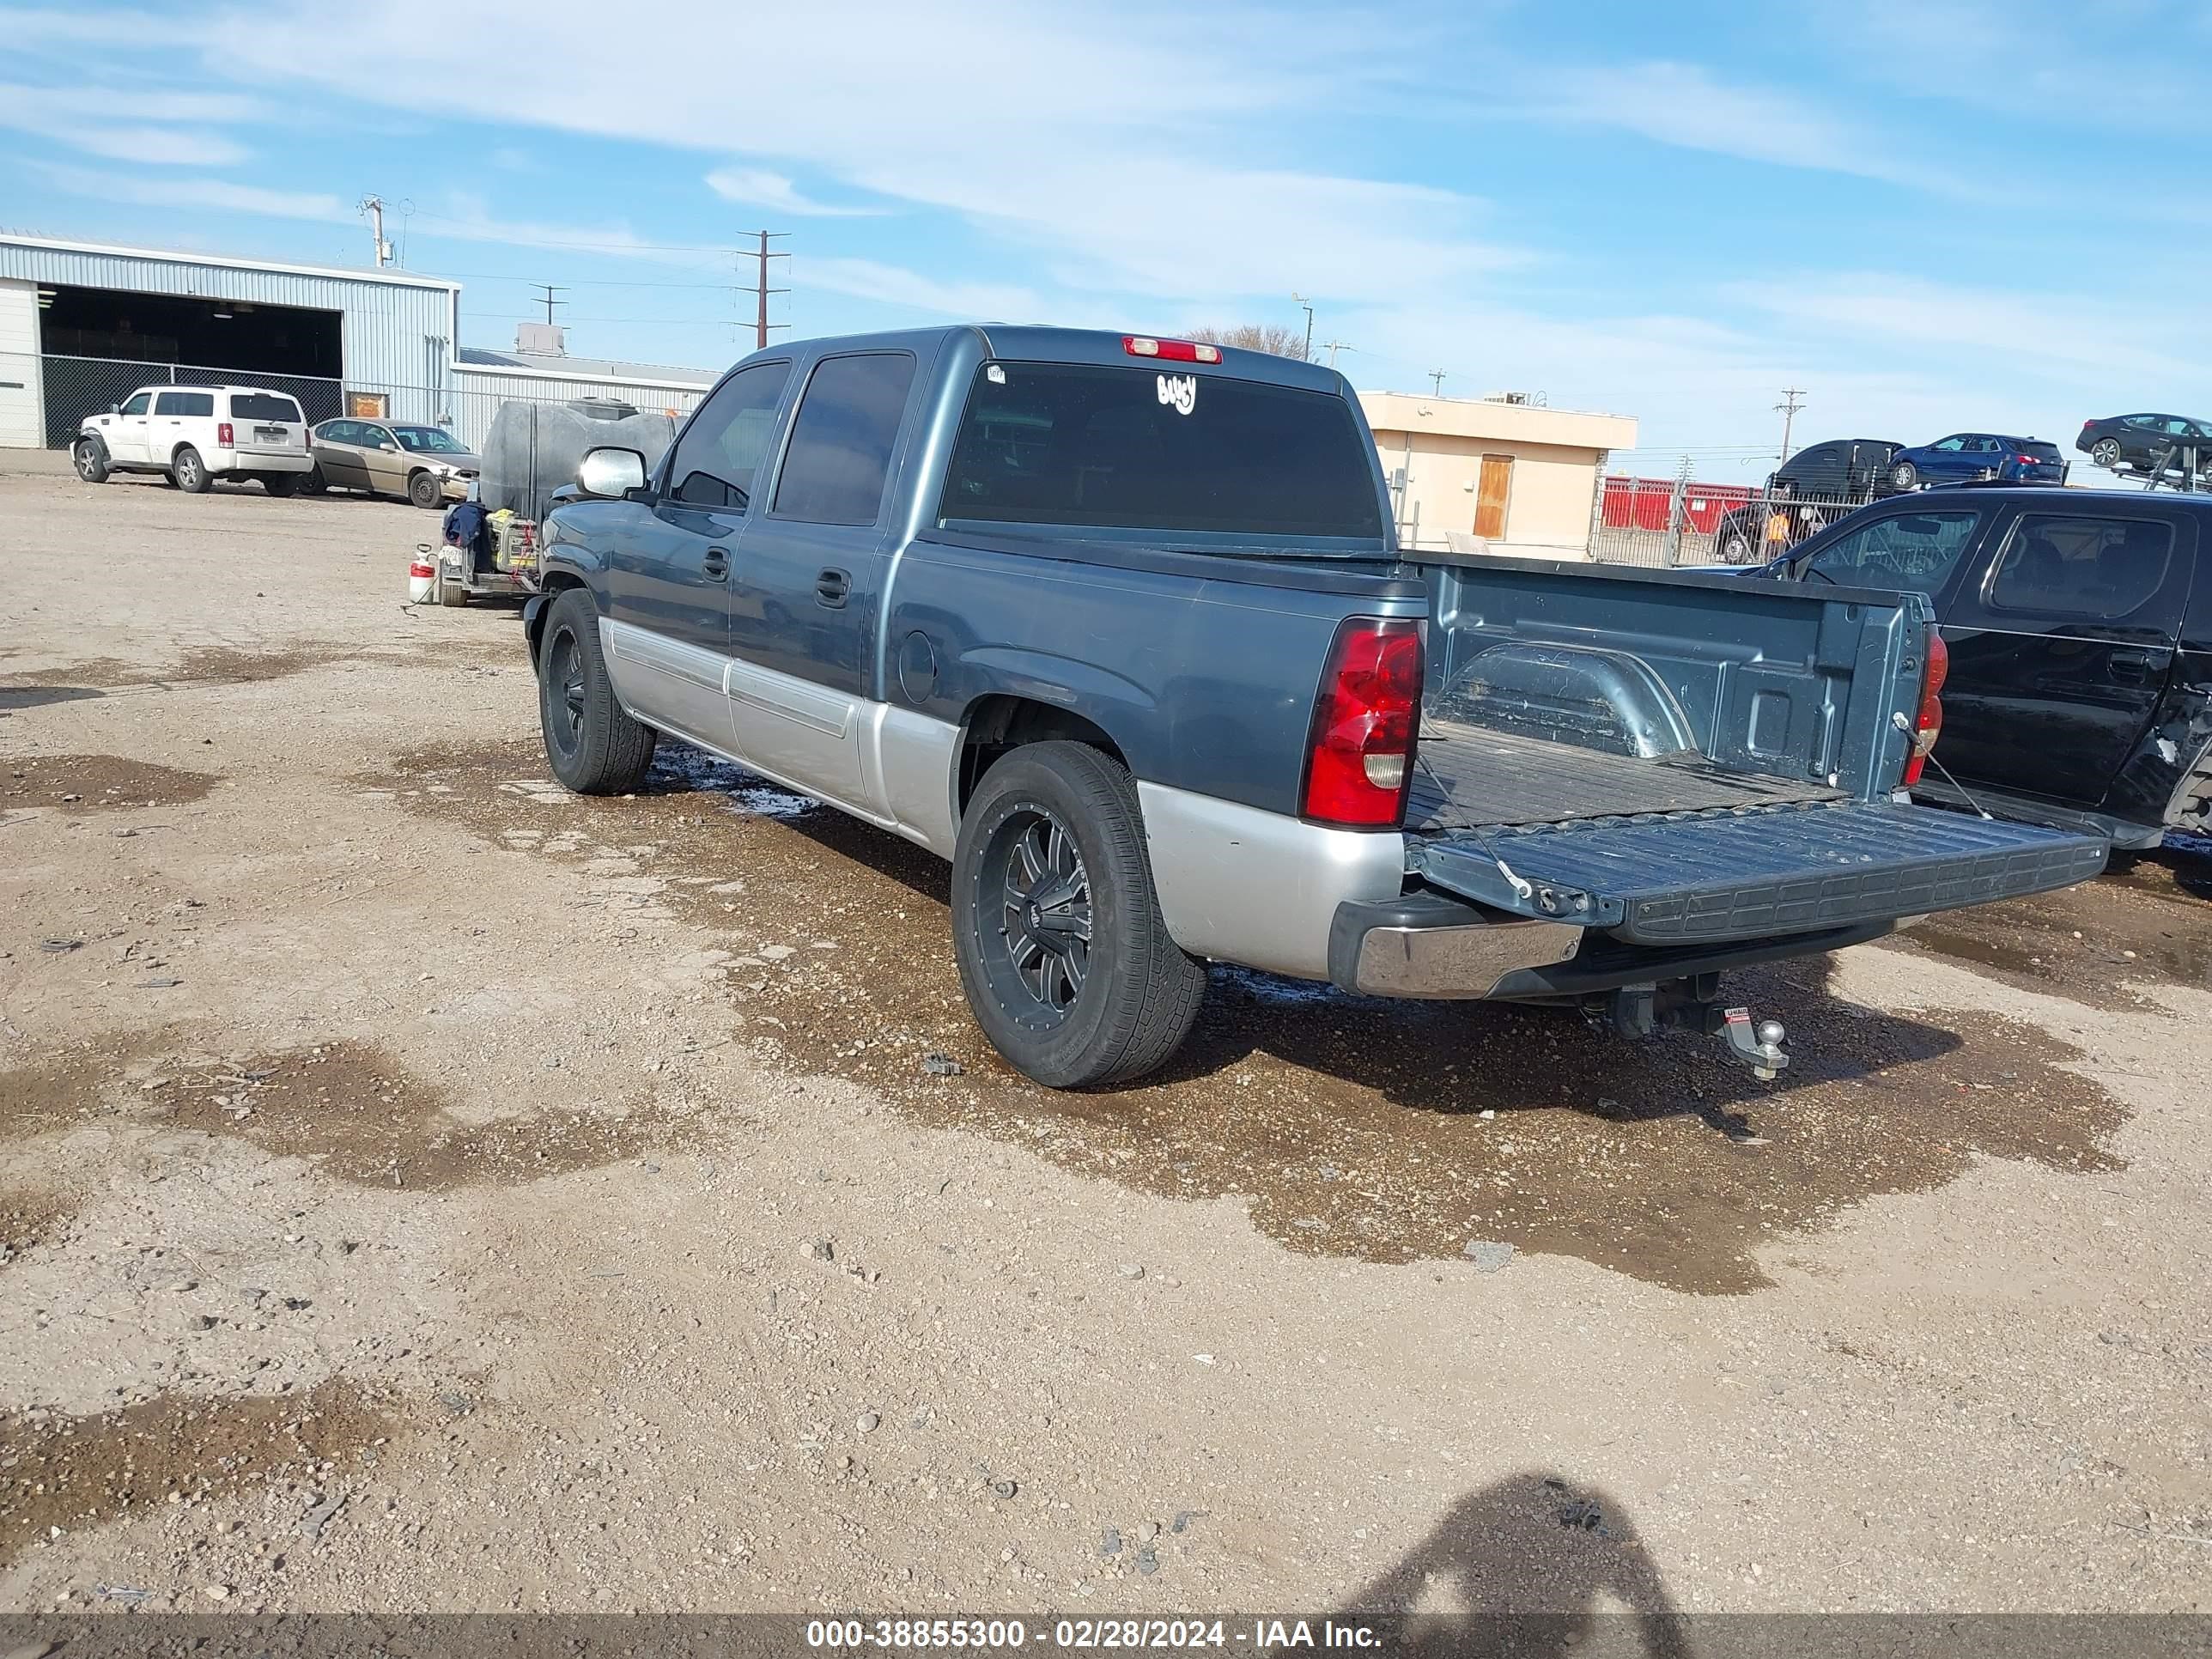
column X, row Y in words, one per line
column 1181, row 391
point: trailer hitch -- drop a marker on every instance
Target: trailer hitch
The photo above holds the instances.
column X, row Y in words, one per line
column 1637, row 1010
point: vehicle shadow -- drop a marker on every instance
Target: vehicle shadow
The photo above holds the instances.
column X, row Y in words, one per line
column 1529, row 1564
column 39, row 696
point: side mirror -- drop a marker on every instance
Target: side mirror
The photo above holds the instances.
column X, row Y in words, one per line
column 610, row 474
column 115, row 409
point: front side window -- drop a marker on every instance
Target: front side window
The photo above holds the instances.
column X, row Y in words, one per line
column 839, row 459
column 184, row 402
column 1949, row 446
column 138, row 404
column 721, row 452
column 1141, row 449
column 2091, row 569
column 1910, row 552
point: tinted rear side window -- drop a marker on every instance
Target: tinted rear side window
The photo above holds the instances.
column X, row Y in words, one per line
column 184, row 403
column 840, row 457
column 2088, row 569
column 262, row 406
column 1135, row 449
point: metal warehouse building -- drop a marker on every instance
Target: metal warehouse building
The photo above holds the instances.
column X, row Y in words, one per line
column 82, row 325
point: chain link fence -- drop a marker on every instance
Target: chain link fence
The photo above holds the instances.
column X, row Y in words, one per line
column 1664, row 523
column 45, row 399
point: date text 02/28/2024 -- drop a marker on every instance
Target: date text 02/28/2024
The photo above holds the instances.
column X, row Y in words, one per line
column 1001, row 1635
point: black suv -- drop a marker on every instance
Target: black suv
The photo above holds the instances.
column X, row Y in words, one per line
column 2080, row 631
column 1814, row 488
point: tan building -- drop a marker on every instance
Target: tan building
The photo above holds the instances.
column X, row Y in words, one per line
column 1493, row 475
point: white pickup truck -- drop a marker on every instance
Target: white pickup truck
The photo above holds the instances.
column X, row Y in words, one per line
column 195, row 435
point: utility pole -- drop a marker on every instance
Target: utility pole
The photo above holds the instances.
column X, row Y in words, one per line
column 547, row 299
column 374, row 207
column 1437, row 376
column 761, row 290
column 1792, row 401
column 1332, row 346
column 1300, row 300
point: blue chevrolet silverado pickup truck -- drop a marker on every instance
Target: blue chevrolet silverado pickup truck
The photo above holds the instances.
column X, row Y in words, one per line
column 1119, row 627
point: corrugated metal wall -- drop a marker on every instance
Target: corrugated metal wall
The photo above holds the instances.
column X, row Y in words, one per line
column 395, row 329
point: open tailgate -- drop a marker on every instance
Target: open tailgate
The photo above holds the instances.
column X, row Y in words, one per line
column 1698, row 878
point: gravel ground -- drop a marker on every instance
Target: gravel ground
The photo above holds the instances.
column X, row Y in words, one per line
column 420, row 1188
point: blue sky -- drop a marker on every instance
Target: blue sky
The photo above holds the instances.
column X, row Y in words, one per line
column 1929, row 216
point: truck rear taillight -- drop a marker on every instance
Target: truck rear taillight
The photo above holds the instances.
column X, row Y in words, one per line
column 1175, row 351
column 1359, row 757
column 1930, row 725
column 222, row 434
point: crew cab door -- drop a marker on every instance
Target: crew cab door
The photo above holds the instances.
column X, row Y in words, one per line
column 667, row 624
column 2061, row 650
column 805, row 595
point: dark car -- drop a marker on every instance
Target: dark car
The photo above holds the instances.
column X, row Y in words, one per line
column 1812, row 489
column 2148, row 443
column 1965, row 455
column 2080, row 643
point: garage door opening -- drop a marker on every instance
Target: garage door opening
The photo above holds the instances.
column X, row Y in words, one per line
column 98, row 345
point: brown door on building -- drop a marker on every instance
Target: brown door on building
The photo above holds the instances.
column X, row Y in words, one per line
column 1491, row 496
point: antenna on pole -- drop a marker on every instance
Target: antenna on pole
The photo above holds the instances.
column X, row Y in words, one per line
column 374, row 207
column 1793, row 400
column 1301, row 301
column 761, row 290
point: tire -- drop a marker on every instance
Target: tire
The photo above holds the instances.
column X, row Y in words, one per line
column 189, row 472
column 90, row 459
column 2105, row 453
column 451, row 592
column 1090, row 990
column 312, row 483
column 281, row 483
column 593, row 747
column 425, row 490
column 1734, row 548
column 1904, row 475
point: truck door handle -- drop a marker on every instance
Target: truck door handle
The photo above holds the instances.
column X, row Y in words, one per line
column 716, row 565
column 831, row 587
column 2130, row 663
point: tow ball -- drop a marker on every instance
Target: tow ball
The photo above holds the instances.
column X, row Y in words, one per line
column 1758, row 1046
column 1637, row 1010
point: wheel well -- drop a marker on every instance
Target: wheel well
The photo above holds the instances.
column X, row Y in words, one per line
column 554, row 585
column 997, row 725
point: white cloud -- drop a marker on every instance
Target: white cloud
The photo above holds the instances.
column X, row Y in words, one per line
column 1152, row 152
column 1685, row 105
column 115, row 123
column 185, row 190
column 871, row 279
column 757, row 187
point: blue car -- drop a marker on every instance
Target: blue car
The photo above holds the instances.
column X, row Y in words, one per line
column 1965, row 457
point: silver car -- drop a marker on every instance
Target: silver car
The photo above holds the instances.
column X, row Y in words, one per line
column 426, row 464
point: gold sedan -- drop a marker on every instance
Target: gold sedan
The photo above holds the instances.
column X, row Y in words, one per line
column 426, row 464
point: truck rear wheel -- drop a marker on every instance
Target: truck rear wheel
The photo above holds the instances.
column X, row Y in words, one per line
column 592, row 743
column 1063, row 953
column 188, row 471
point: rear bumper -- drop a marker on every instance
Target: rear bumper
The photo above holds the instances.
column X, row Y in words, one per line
column 1431, row 945
column 259, row 460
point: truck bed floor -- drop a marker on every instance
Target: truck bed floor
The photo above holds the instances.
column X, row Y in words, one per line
column 1468, row 778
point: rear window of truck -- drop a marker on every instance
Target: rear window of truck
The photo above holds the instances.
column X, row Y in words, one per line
column 262, row 406
column 1141, row 449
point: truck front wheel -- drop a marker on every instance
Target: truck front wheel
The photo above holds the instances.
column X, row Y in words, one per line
column 592, row 743
column 1063, row 953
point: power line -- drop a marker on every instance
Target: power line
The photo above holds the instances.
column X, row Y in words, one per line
column 1332, row 346
column 550, row 301
column 1437, row 376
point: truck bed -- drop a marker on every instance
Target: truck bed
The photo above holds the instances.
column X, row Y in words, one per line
column 1468, row 777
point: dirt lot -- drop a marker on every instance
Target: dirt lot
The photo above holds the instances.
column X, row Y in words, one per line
column 420, row 1188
